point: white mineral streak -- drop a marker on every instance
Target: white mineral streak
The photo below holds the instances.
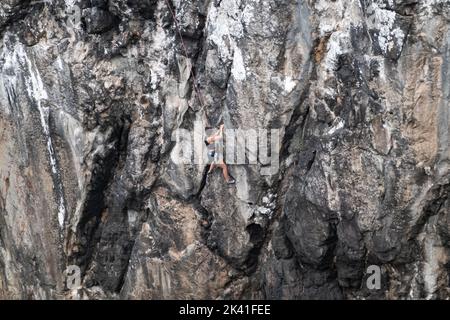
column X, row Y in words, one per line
column 238, row 69
column 161, row 44
column 389, row 35
column 224, row 33
column 37, row 92
column 414, row 289
column 434, row 257
column 289, row 84
column 338, row 124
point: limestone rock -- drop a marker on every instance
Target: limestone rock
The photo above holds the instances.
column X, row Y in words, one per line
column 93, row 94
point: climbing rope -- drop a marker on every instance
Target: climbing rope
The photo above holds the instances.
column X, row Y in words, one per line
column 194, row 80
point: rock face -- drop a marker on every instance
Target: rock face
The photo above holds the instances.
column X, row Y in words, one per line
column 93, row 92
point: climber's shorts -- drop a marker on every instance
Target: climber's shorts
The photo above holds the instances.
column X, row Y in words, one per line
column 218, row 157
column 215, row 157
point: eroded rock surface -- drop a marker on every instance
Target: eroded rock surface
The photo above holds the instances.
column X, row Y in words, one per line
column 92, row 92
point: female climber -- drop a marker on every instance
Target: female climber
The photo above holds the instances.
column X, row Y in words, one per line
column 215, row 146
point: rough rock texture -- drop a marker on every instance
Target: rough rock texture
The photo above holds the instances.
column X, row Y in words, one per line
column 92, row 91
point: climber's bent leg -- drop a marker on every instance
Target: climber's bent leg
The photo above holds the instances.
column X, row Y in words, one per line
column 226, row 175
column 224, row 168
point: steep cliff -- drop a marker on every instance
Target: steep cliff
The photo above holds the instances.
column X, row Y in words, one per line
column 92, row 93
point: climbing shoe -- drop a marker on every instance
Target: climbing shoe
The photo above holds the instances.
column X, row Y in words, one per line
column 231, row 181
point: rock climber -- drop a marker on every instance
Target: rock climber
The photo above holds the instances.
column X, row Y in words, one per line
column 215, row 151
